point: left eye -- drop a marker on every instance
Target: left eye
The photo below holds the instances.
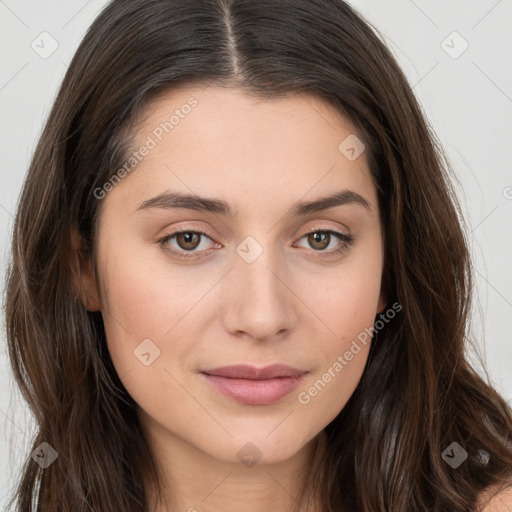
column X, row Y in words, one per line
column 188, row 241
column 321, row 238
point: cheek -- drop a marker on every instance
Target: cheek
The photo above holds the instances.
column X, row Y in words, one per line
column 149, row 334
column 344, row 301
column 144, row 304
column 340, row 360
column 325, row 394
column 347, row 308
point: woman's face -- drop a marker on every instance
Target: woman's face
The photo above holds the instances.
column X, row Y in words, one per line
column 266, row 284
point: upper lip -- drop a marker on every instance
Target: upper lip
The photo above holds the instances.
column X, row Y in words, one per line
column 244, row 371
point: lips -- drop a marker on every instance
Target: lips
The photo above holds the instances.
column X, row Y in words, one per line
column 255, row 386
column 243, row 371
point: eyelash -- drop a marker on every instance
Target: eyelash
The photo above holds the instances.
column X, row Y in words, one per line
column 346, row 242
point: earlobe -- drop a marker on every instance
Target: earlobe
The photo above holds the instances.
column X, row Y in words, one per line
column 84, row 282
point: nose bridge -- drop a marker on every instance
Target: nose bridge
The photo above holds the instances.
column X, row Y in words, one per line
column 260, row 304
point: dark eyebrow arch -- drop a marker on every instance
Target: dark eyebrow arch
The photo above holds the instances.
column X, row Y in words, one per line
column 172, row 200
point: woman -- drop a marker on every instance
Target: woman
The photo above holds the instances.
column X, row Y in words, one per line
column 239, row 280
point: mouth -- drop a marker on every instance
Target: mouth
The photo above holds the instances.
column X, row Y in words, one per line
column 255, row 386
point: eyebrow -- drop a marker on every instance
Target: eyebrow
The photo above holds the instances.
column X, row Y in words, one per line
column 174, row 200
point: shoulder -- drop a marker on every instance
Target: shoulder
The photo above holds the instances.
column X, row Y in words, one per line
column 495, row 499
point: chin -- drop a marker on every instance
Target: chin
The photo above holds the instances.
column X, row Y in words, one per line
column 257, row 449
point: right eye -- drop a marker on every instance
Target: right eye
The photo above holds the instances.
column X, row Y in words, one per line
column 187, row 240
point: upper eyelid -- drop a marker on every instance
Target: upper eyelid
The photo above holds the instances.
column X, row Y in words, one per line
column 306, row 232
column 339, row 232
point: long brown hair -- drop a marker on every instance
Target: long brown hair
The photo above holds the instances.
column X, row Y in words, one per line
column 418, row 394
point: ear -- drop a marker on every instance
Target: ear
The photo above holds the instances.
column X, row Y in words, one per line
column 84, row 282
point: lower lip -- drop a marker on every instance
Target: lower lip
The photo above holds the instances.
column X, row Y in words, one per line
column 254, row 392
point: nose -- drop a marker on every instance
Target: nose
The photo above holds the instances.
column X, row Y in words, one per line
column 260, row 303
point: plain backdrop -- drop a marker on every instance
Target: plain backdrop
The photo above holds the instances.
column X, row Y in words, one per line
column 456, row 56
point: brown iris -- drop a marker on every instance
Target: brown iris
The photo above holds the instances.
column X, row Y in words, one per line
column 188, row 238
column 316, row 237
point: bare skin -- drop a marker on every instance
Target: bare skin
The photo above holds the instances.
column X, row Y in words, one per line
column 495, row 499
column 298, row 302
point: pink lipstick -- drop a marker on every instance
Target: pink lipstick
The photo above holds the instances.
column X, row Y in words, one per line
column 255, row 386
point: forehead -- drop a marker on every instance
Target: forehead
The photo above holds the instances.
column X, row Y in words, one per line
column 224, row 111
column 223, row 142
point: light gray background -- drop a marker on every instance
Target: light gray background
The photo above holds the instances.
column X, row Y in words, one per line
column 467, row 99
